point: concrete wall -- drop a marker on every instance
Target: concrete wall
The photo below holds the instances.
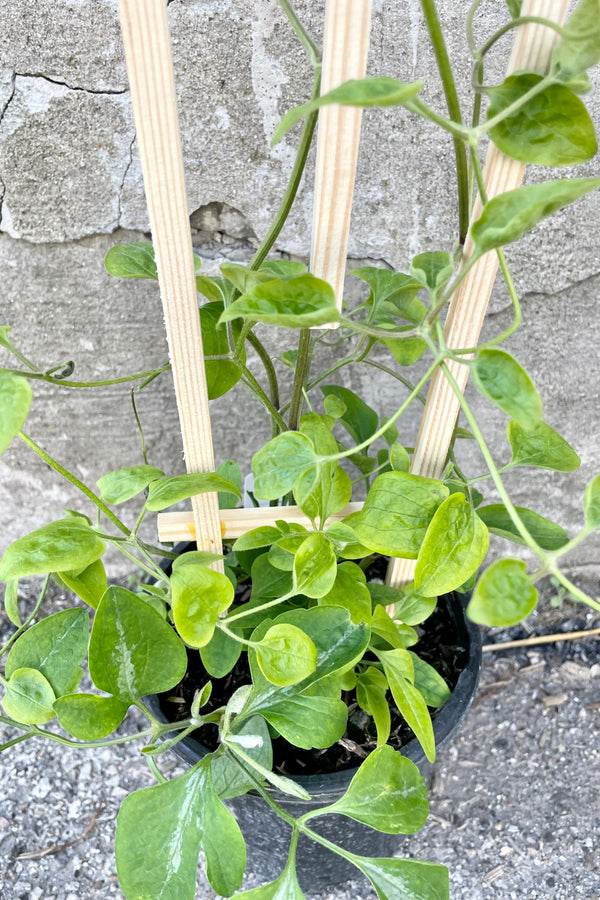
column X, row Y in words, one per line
column 71, row 188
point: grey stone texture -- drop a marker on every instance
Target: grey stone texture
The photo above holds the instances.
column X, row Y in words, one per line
column 71, row 188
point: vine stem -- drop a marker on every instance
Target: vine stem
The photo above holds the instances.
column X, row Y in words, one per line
column 522, row 20
column 381, row 431
column 452, row 101
column 295, row 178
column 307, row 42
column 28, row 620
column 72, row 479
column 493, row 470
column 62, row 382
column 301, row 375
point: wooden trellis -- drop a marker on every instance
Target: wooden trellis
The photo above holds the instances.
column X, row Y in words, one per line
column 150, row 71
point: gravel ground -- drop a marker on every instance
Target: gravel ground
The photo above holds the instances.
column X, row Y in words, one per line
column 515, row 802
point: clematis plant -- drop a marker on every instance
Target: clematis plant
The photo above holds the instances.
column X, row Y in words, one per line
column 298, row 611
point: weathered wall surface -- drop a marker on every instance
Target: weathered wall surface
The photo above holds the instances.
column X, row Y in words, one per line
column 71, row 187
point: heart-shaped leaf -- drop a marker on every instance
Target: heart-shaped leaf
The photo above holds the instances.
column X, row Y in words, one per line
column 123, row 484
column 387, row 793
column 88, row 716
column 503, row 596
column 133, row 651
column 15, row 400
column 29, row 697
column 55, row 646
column 58, row 547
column 199, row 596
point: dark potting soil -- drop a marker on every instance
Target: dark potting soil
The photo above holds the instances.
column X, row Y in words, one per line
column 437, row 645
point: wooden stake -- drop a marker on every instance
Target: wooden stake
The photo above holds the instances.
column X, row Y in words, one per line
column 179, row 526
column 532, row 50
column 345, row 50
column 542, row 639
column 150, row 71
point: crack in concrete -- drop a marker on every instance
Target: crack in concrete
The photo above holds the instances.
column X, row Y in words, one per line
column 2, row 114
column 71, row 87
column 122, row 185
column 530, row 295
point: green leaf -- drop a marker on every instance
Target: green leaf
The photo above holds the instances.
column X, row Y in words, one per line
column 551, row 129
column 398, row 636
column 268, row 581
column 223, row 845
column 194, row 558
column 220, row 655
column 245, row 279
column 399, row 458
column 123, row 484
column 221, row 374
column 29, row 697
column 286, row 887
column 132, row 261
column 286, row 655
column 11, row 602
column 333, row 488
column 508, row 216
column 283, row 268
column 453, row 547
column 405, row 879
column 199, row 595
column 371, row 691
column 350, row 592
column 371, row 91
column 547, row 534
column 159, row 833
column 315, row 566
column 298, row 303
column 167, row 491
column 133, row 651
column 211, row 287
column 230, row 470
column 397, row 512
column 542, row 447
column 55, row 646
column 503, row 595
column 257, row 537
column 311, row 713
column 281, row 463
column 229, row 779
column 433, row 269
column 501, row 379
column 579, row 49
column 406, row 351
column 89, row 717
column 359, row 420
column 15, row 400
column 89, row 584
column 387, row 793
column 413, row 608
column 314, row 717
column 399, row 671
column 591, row 504
column 67, row 544
column 514, row 7
column 429, row 682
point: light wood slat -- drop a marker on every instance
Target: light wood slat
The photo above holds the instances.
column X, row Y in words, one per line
column 345, row 50
column 150, row 71
column 179, row 526
column 531, row 51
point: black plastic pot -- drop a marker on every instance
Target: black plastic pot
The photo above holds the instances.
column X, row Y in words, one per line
column 267, row 836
